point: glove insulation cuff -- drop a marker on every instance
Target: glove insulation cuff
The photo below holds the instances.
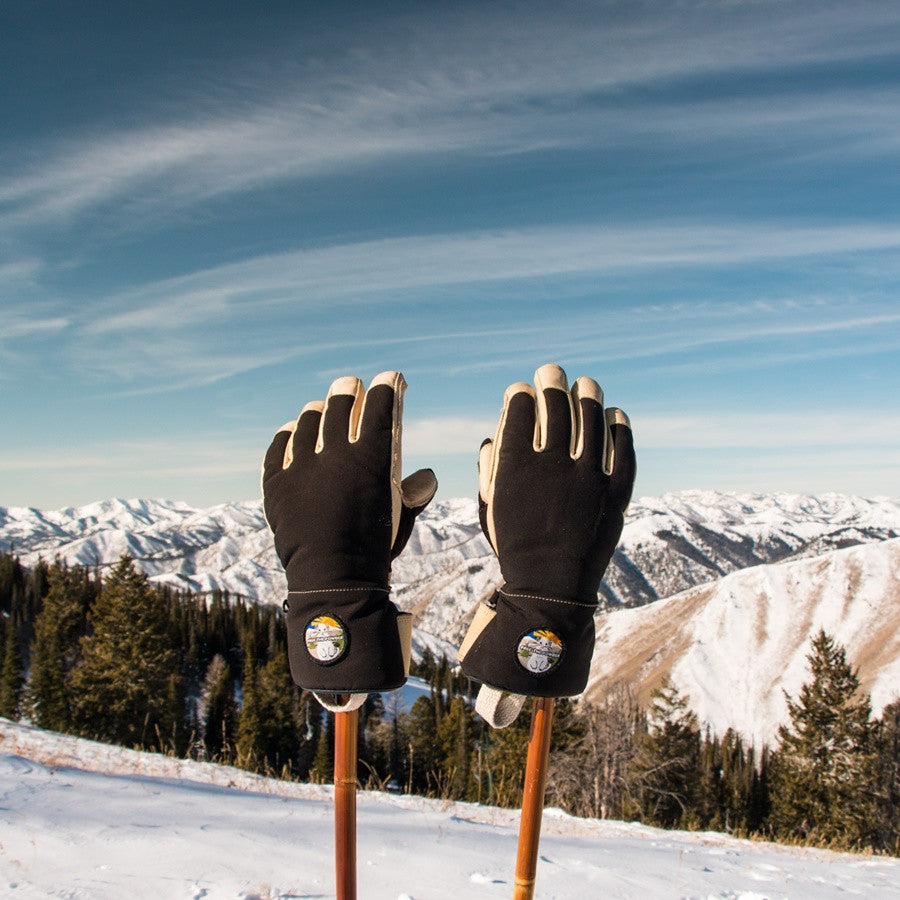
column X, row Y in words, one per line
column 344, row 640
column 535, row 646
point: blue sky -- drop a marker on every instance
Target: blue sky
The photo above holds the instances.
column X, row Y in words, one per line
column 207, row 213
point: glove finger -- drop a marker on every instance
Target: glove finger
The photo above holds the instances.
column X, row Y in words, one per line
column 622, row 462
column 515, row 436
column 485, row 468
column 485, row 487
column 382, row 411
column 554, row 411
column 418, row 490
column 341, row 410
column 590, row 424
column 516, row 430
column 273, row 463
column 306, row 432
column 380, row 432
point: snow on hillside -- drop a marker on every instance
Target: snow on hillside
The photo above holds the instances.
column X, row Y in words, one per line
column 689, row 538
column 734, row 646
column 669, row 544
column 83, row 820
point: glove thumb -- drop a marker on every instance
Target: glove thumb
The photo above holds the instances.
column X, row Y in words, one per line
column 416, row 492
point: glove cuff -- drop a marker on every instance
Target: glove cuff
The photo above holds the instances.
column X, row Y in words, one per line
column 531, row 645
column 356, row 650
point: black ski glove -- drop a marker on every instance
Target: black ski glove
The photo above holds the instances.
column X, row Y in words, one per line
column 339, row 513
column 554, row 485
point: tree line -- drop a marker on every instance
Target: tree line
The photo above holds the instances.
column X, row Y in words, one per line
column 120, row 659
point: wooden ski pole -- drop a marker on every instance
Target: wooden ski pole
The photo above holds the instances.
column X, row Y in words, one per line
column 345, row 727
column 533, row 797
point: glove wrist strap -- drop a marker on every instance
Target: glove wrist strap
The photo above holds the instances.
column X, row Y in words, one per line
column 498, row 708
column 354, row 701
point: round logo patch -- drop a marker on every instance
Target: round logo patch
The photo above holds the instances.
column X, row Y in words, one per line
column 539, row 651
column 326, row 639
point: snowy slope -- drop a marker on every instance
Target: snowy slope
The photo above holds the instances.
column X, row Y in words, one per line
column 684, row 539
column 669, row 544
column 735, row 645
column 80, row 820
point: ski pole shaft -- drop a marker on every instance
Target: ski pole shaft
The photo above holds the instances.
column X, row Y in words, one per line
column 345, row 726
column 533, row 797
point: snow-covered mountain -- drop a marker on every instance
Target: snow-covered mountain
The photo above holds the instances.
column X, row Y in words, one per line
column 736, row 645
column 772, row 556
column 669, row 544
column 80, row 819
column 225, row 547
column 693, row 537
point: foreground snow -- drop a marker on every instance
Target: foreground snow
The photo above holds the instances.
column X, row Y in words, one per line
column 83, row 820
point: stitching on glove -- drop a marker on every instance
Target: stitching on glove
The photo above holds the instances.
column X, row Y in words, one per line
column 548, row 599
column 339, row 590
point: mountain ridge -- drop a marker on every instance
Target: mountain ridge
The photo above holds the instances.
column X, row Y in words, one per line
column 692, row 551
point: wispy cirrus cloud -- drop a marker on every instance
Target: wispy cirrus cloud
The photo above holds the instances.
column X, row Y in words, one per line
column 542, row 84
column 141, row 176
column 232, row 319
column 361, row 273
column 778, row 429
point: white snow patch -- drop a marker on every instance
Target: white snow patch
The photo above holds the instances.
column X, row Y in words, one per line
column 81, row 820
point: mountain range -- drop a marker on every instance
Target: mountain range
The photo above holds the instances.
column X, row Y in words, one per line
column 719, row 591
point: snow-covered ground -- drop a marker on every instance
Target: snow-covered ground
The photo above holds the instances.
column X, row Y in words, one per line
column 83, row 820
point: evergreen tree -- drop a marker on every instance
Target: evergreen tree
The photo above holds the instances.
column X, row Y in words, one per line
column 759, row 802
column 12, row 582
column 387, row 743
column 310, row 720
column 822, row 776
column 729, row 786
column 398, row 759
column 423, row 669
column 174, row 731
column 123, row 689
column 11, row 678
column 455, row 739
column 280, row 715
column 666, row 763
column 250, row 740
column 888, row 768
column 498, row 767
column 218, row 711
column 322, row 769
column 423, row 749
column 56, row 648
column 269, row 726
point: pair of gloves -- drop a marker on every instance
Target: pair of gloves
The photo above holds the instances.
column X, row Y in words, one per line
column 554, row 484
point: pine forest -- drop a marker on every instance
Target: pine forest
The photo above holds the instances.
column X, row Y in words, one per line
column 118, row 659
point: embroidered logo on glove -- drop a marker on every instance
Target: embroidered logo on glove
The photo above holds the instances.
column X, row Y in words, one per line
column 539, row 651
column 326, row 639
